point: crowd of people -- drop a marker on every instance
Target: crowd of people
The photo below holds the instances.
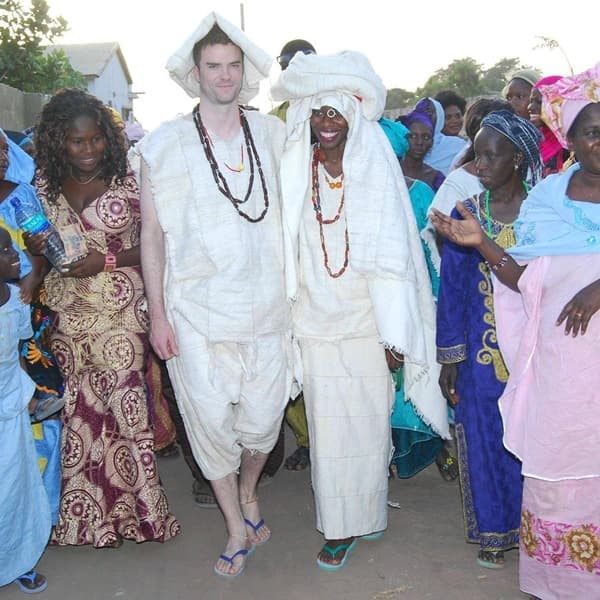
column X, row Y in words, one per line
column 425, row 289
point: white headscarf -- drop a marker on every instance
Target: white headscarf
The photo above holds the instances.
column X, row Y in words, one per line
column 257, row 63
column 384, row 241
column 445, row 148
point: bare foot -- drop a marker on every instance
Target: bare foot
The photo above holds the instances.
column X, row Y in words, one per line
column 334, row 551
column 258, row 532
column 231, row 563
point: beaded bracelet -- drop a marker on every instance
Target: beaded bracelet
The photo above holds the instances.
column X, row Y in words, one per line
column 110, row 262
column 398, row 357
column 499, row 264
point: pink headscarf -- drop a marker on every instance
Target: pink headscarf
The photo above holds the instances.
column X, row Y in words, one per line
column 134, row 131
column 563, row 100
column 550, row 145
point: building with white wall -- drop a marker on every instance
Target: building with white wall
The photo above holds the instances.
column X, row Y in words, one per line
column 105, row 69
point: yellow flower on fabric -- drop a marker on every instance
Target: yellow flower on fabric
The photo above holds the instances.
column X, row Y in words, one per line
column 526, row 534
column 583, row 545
column 34, row 355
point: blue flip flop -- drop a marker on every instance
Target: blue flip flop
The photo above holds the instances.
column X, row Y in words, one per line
column 243, row 552
column 371, row 537
column 347, row 548
column 31, row 576
column 255, row 528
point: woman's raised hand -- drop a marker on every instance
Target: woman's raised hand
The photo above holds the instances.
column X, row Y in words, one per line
column 466, row 232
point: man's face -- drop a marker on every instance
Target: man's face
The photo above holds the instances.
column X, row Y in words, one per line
column 220, row 73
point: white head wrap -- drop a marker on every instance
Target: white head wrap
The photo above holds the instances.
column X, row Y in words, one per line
column 257, row 63
column 384, row 242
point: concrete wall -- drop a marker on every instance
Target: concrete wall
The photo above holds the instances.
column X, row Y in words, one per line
column 19, row 110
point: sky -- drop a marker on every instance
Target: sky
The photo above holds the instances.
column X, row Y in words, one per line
column 405, row 49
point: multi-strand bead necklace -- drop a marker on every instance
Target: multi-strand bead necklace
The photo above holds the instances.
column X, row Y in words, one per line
column 218, row 176
column 316, row 201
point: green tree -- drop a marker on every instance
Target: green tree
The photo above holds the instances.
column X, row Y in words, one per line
column 495, row 78
column 23, row 62
column 399, row 98
column 463, row 75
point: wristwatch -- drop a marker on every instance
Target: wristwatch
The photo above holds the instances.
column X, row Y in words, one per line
column 110, row 262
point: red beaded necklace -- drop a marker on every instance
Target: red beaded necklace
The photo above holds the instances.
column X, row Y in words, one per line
column 218, row 176
column 316, row 201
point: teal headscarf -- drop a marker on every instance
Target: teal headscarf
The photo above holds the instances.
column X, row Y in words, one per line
column 396, row 133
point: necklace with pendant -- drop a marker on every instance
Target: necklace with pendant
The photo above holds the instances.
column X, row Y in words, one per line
column 316, row 201
column 334, row 185
column 87, row 180
column 253, row 159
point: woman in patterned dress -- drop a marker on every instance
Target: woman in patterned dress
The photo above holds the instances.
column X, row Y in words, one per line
column 111, row 489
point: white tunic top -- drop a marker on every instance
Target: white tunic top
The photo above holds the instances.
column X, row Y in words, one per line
column 329, row 308
column 223, row 274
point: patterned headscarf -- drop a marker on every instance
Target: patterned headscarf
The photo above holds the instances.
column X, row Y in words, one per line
column 522, row 133
column 550, row 145
column 565, row 99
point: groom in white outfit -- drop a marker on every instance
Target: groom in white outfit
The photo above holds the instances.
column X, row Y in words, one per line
column 212, row 259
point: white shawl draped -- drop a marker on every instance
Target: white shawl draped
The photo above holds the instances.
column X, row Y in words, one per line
column 384, row 241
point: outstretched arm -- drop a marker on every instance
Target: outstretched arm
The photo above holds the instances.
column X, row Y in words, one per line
column 468, row 232
column 162, row 336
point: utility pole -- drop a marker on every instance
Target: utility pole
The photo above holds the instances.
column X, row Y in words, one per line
column 242, row 24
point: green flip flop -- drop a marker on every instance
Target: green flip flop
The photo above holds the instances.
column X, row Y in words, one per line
column 346, row 548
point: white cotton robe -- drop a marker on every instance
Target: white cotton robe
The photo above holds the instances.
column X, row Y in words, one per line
column 348, row 390
column 223, row 289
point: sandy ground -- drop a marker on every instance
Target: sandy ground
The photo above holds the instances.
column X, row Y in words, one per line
column 423, row 554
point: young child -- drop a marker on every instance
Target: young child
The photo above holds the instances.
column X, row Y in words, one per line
column 25, row 517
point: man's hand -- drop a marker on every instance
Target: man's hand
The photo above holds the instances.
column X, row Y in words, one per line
column 162, row 338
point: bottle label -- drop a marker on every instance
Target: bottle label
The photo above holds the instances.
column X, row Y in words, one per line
column 36, row 223
column 74, row 242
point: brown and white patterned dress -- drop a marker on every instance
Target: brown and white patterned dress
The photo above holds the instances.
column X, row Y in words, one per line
column 110, row 487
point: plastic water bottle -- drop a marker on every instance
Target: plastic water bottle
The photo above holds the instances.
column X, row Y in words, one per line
column 30, row 218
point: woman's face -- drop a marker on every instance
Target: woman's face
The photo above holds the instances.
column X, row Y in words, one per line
column 584, row 138
column 329, row 127
column 518, row 94
column 535, row 107
column 85, row 145
column 453, row 120
column 495, row 158
column 3, row 157
column 420, row 140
